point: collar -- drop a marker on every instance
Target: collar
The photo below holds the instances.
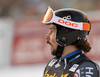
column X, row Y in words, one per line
column 71, row 54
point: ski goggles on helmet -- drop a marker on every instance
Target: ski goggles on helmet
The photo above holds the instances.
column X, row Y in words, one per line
column 50, row 18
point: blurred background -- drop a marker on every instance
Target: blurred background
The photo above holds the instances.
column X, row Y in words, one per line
column 23, row 50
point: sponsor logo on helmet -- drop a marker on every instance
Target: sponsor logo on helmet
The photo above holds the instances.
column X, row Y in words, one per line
column 67, row 23
column 67, row 17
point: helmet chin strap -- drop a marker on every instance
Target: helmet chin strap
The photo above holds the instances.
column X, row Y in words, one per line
column 59, row 51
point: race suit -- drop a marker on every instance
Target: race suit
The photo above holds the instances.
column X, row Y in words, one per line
column 74, row 64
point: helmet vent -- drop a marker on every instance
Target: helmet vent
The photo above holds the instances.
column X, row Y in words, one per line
column 64, row 44
column 57, row 39
column 64, row 38
column 79, row 38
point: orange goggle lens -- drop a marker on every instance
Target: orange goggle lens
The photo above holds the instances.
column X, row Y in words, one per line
column 48, row 15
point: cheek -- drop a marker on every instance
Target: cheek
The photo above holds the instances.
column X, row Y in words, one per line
column 53, row 40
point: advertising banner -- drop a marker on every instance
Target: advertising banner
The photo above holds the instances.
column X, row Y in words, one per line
column 29, row 44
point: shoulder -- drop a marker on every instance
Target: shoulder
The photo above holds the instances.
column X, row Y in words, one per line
column 51, row 61
column 87, row 69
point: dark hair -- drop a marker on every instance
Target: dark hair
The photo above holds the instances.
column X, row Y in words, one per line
column 83, row 45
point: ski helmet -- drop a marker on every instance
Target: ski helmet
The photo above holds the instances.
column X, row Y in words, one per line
column 72, row 25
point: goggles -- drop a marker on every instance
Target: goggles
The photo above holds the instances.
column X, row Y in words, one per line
column 50, row 18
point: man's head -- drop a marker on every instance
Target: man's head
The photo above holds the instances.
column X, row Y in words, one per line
column 71, row 26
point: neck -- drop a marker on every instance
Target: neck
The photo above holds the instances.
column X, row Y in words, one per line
column 68, row 49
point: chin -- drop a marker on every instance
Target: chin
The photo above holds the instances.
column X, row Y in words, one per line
column 53, row 51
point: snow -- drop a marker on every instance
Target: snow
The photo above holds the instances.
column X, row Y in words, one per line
column 23, row 71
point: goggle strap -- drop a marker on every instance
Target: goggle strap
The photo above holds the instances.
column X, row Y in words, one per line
column 71, row 24
column 86, row 26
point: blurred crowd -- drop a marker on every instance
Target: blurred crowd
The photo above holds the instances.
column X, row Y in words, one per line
column 22, row 8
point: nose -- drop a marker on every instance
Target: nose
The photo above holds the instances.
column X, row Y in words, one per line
column 47, row 37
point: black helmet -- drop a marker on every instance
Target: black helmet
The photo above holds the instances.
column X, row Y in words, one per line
column 72, row 25
column 67, row 36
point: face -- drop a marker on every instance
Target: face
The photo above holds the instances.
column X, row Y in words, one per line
column 51, row 39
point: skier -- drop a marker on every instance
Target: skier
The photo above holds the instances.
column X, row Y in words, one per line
column 67, row 37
